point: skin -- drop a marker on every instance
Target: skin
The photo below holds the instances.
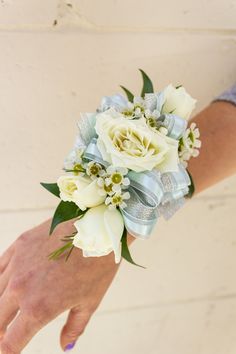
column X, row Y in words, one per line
column 28, row 300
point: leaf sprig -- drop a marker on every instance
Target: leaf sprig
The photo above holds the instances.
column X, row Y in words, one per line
column 61, row 250
column 125, row 253
column 147, row 87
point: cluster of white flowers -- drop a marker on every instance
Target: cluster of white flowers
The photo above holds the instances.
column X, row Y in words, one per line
column 134, row 110
column 172, row 101
column 96, row 185
column 189, row 144
column 138, row 109
column 146, row 134
column 113, row 184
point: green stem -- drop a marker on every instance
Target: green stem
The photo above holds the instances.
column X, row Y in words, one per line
column 58, row 252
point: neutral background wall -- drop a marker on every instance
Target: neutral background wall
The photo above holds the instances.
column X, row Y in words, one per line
column 57, row 58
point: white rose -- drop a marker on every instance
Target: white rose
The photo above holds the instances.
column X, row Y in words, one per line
column 99, row 232
column 67, row 186
column 178, row 101
column 171, row 160
column 132, row 144
column 83, row 191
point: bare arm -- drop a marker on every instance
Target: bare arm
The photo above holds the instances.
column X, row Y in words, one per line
column 23, row 284
column 217, row 159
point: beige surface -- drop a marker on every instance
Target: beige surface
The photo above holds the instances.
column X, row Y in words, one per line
column 185, row 301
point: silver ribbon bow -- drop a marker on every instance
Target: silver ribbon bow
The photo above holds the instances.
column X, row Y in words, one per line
column 152, row 194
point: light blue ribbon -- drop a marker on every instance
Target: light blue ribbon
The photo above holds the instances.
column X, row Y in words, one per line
column 92, row 153
column 175, row 125
column 152, row 194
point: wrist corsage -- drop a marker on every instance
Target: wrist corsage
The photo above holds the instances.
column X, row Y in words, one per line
column 128, row 168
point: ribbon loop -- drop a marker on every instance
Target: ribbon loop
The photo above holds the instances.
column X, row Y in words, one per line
column 177, row 180
column 139, row 218
column 118, row 101
column 154, row 101
column 149, row 184
column 175, row 125
column 92, row 153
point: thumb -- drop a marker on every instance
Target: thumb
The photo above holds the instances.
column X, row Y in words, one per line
column 74, row 327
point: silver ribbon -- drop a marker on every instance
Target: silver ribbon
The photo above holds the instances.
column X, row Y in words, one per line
column 118, row 101
column 92, row 153
column 154, row 101
column 149, row 184
column 86, row 127
column 139, row 216
column 152, row 194
column 175, row 125
column 175, row 181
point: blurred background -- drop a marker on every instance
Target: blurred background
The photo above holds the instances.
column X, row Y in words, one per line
column 57, row 58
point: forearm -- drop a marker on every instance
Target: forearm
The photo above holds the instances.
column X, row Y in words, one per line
column 217, row 158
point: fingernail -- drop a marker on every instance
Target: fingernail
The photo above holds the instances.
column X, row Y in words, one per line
column 69, row 346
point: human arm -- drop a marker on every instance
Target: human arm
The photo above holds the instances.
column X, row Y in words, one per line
column 217, row 158
column 26, row 271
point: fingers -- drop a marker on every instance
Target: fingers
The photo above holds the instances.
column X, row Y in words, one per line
column 8, row 310
column 5, row 258
column 8, row 320
column 20, row 332
column 5, row 268
column 4, row 279
column 74, row 327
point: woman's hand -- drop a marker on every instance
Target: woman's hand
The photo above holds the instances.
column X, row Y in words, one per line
column 38, row 290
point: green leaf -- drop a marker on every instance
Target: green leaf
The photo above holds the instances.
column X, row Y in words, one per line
column 191, row 187
column 178, row 86
column 52, row 188
column 129, row 95
column 125, row 253
column 59, row 251
column 147, row 84
column 69, row 253
column 64, row 212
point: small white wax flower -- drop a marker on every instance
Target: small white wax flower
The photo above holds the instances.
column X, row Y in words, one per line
column 128, row 112
column 116, row 176
column 94, row 170
column 117, row 200
column 135, row 109
column 189, row 144
column 105, row 187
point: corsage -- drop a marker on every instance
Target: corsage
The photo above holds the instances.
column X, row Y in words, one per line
column 128, row 168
